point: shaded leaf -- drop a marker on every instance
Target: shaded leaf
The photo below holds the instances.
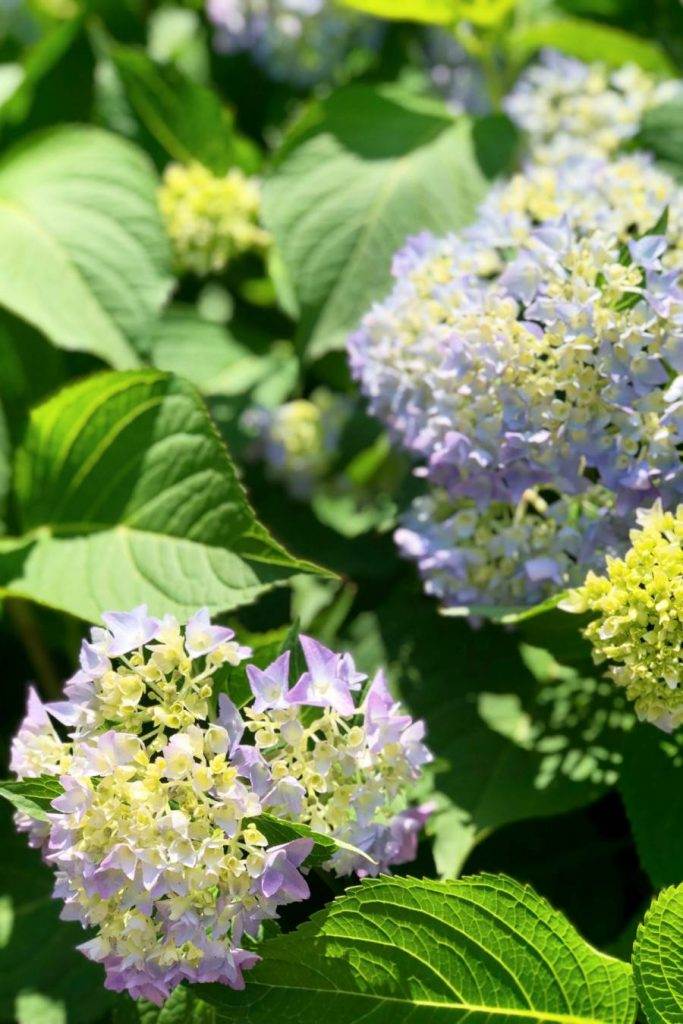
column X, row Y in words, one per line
column 651, row 786
column 32, row 796
column 188, row 120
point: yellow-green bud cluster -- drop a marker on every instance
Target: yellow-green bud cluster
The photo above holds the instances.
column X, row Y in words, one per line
column 639, row 624
column 210, row 219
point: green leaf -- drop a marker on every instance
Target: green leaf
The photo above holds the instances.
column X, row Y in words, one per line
column 278, row 831
column 32, row 796
column 431, row 12
column 521, row 736
column 206, row 354
column 187, row 120
column 658, row 956
column 399, row 949
column 40, row 969
column 589, row 41
column 651, row 786
column 182, row 1007
column 83, row 255
column 126, row 494
column 367, row 168
column 505, row 615
column 662, row 132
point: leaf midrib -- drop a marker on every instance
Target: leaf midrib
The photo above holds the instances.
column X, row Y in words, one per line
column 522, row 1014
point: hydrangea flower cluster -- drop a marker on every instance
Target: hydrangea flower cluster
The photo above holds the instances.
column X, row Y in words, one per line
column 210, row 219
column 302, row 42
column 539, row 351
column 155, row 838
column 298, row 440
column 570, row 108
column 639, row 616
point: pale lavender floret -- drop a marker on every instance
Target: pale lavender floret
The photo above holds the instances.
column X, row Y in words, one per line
column 230, row 718
column 35, row 723
column 201, row 637
column 129, row 630
column 397, row 843
column 281, row 877
column 269, row 686
column 326, row 682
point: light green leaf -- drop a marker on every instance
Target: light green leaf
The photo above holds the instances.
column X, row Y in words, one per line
column 431, row 12
column 126, row 494
column 83, row 255
column 658, row 959
column 365, row 170
column 31, row 796
column 402, row 949
column 206, row 354
column 651, row 786
column 589, row 41
column 40, row 969
column 188, row 120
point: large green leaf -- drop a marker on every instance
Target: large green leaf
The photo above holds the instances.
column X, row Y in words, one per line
column 658, row 959
column 400, row 949
column 125, row 493
column 31, row 796
column 366, row 169
column 83, row 255
column 651, row 785
column 182, row 1007
column 40, row 968
column 589, row 41
column 519, row 735
column 187, row 120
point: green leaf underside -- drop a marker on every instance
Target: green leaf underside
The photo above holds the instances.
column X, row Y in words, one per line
column 658, row 959
column 364, row 171
column 126, row 494
column 397, row 949
column 80, row 204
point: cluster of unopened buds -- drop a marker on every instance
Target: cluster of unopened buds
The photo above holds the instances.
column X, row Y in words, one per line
column 638, row 616
column 210, row 219
column 157, row 838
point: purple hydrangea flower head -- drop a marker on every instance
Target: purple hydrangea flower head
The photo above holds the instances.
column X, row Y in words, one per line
column 154, row 838
column 530, row 365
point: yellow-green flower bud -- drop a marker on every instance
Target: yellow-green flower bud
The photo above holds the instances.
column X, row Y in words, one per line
column 210, row 219
column 639, row 624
